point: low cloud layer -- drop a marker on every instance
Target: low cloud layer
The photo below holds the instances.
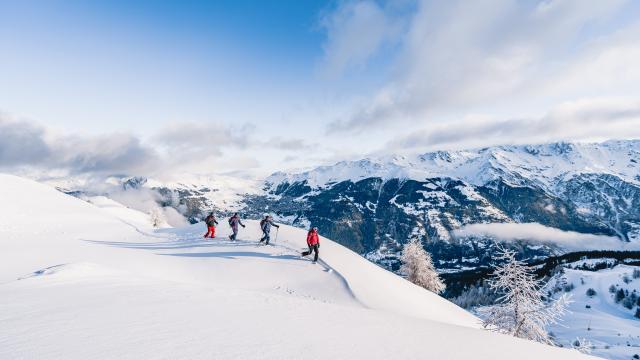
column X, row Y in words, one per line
column 540, row 234
column 24, row 143
column 179, row 147
column 27, row 146
column 147, row 200
column 585, row 119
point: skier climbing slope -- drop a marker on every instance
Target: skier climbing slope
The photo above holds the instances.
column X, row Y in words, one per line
column 211, row 223
column 265, row 225
column 234, row 222
column 313, row 241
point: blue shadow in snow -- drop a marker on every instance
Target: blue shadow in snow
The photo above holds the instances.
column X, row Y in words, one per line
column 237, row 254
column 170, row 245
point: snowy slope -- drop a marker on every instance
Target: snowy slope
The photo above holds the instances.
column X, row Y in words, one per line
column 611, row 328
column 137, row 218
column 81, row 282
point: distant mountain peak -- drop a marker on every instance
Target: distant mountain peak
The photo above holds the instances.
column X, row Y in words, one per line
column 540, row 163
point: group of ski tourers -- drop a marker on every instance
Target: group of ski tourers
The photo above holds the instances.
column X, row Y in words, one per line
column 313, row 240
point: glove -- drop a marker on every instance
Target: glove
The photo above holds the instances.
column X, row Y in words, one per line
column 243, row 226
column 318, row 245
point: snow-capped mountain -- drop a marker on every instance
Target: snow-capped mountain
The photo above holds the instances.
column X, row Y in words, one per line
column 375, row 205
column 542, row 164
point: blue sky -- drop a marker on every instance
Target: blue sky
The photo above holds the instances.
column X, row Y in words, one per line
column 134, row 65
column 260, row 86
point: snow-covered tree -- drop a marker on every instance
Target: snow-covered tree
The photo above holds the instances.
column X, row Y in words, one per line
column 475, row 296
column 418, row 267
column 157, row 218
column 521, row 310
column 583, row 345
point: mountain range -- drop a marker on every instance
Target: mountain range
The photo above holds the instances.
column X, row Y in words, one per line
column 375, row 205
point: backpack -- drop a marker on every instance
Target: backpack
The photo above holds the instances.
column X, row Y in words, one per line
column 230, row 221
column 262, row 222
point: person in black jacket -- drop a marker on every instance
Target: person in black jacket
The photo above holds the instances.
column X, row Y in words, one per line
column 265, row 225
column 211, row 225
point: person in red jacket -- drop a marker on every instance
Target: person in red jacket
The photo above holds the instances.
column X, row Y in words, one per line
column 211, row 223
column 313, row 241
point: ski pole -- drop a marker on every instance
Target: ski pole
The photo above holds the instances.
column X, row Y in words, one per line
column 276, row 239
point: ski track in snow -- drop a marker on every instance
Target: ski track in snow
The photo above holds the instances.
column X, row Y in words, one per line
column 226, row 248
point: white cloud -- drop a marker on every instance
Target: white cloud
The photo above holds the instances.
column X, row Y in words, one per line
column 607, row 65
column 356, row 31
column 24, row 143
column 537, row 233
column 181, row 147
column 590, row 119
column 202, row 147
column 146, row 200
column 201, row 137
column 21, row 142
column 426, row 73
column 499, row 59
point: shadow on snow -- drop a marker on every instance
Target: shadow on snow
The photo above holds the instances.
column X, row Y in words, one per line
column 168, row 245
column 238, row 254
column 192, row 244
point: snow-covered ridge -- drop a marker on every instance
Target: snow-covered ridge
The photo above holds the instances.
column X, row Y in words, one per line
column 541, row 164
column 72, row 272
